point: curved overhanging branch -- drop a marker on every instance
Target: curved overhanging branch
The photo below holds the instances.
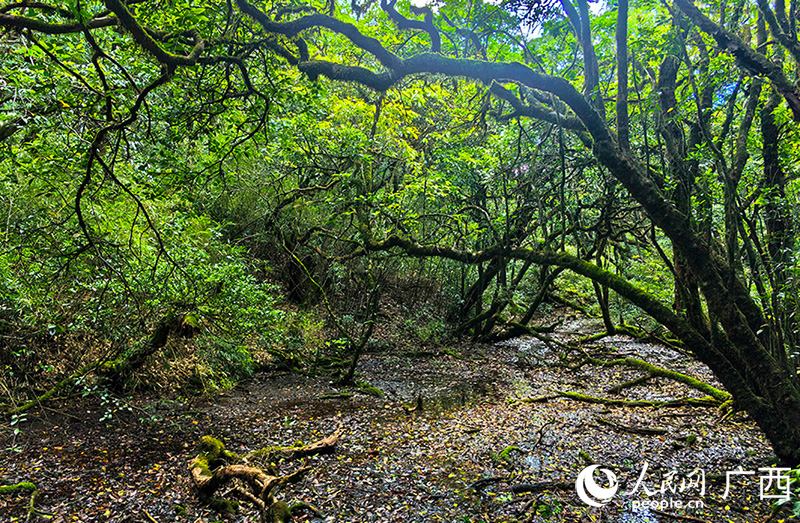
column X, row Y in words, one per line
column 728, row 367
column 404, row 23
column 348, row 73
column 534, row 110
column 706, row 351
column 645, row 301
column 143, row 38
column 34, row 24
column 294, row 27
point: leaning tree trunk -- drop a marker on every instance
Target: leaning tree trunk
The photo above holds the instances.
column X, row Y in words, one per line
column 739, row 355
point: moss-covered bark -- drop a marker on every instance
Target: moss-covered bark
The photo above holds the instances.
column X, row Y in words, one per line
column 707, row 401
column 58, row 387
column 17, row 487
column 215, row 467
column 23, row 486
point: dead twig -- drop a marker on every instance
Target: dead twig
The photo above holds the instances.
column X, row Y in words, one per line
column 483, row 483
column 542, row 486
column 646, row 431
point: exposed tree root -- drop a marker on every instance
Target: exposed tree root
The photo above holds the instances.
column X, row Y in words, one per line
column 707, row 401
column 215, row 467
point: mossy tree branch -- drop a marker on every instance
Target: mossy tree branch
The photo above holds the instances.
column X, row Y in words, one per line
column 661, row 372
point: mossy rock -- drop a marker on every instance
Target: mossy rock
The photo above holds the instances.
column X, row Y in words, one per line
column 369, row 390
column 223, row 506
column 279, row 512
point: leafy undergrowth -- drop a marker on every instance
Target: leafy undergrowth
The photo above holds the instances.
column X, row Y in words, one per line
column 396, row 465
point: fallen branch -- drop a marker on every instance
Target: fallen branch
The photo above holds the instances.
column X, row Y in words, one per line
column 685, row 402
column 530, row 331
column 337, row 396
column 514, row 329
column 591, row 338
column 483, row 483
column 72, row 378
column 539, row 399
column 23, row 486
column 652, row 370
column 654, row 431
column 13, row 489
column 616, row 389
column 542, row 486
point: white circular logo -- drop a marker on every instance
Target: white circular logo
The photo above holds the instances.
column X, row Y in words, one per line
column 590, row 492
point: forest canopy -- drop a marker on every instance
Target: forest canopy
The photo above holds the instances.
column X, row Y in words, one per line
column 177, row 168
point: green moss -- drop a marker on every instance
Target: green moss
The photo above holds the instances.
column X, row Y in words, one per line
column 223, row 506
column 272, row 454
column 279, row 512
column 706, row 401
column 719, row 395
column 505, row 454
column 211, row 455
column 368, row 389
column 585, row 457
column 691, row 439
column 11, row 489
column 211, row 447
column 213, row 452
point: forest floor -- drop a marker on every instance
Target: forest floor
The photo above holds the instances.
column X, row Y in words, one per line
column 102, row 459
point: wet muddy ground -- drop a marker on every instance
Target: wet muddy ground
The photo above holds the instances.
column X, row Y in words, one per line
column 468, row 455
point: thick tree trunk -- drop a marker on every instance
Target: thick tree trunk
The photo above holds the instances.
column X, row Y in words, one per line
column 761, row 384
